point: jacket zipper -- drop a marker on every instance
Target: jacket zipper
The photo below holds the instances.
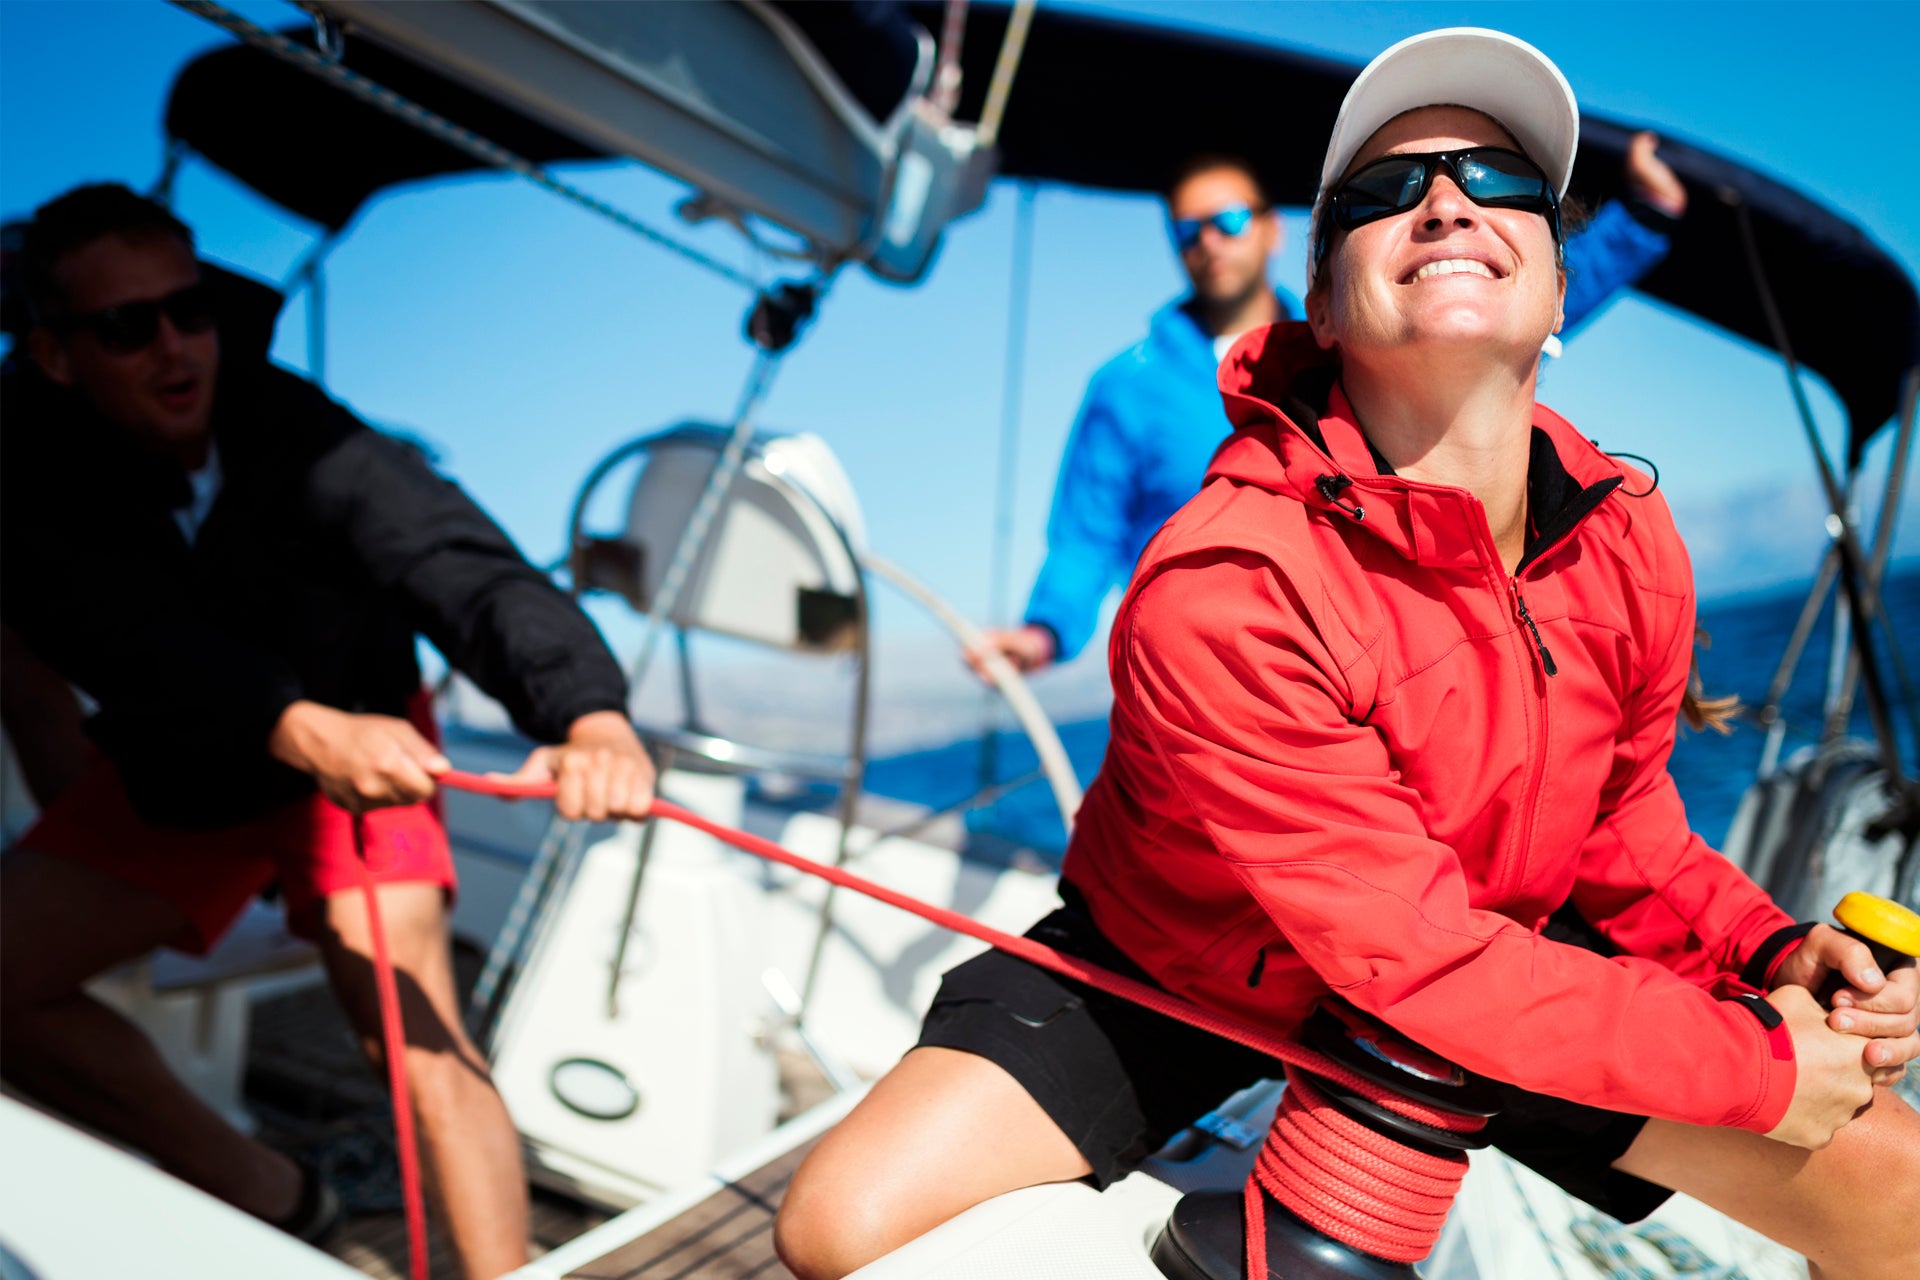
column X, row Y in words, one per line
column 1546, row 658
column 1537, row 751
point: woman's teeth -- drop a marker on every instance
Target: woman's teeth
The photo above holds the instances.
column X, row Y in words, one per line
column 1454, row 266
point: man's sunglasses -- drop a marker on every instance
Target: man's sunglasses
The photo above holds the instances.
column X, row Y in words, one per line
column 1231, row 222
column 133, row 326
column 1491, row 176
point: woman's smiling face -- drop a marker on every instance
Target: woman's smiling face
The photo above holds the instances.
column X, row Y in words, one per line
column 1448, row 271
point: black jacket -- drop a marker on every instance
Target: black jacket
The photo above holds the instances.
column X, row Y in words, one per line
column 329, row 546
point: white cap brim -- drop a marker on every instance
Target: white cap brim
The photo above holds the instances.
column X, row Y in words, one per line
column 1488, row 71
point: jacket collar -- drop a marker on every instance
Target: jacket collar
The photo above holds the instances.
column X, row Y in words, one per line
column 60, row 424
column 1295, row 433
column 1176, row 331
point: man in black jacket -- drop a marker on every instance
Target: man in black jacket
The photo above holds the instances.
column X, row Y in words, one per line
column 234, row 568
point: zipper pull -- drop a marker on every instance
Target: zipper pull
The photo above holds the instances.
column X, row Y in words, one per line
column 1546, row 659
column 1331, row 487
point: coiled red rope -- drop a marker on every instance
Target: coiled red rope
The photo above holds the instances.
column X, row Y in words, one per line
column 1351, row 1182
column 1339, row 1176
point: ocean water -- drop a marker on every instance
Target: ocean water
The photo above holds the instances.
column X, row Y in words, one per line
column 1748, row 636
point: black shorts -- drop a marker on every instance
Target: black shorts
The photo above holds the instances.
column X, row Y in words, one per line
column 1121, row 1080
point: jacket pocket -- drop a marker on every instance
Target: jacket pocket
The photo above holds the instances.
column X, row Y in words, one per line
column 1240, row 953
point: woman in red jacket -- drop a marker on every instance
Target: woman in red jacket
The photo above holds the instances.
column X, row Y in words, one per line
column 1393, row 701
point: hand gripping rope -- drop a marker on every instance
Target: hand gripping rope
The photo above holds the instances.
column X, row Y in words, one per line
column 1367, row 1150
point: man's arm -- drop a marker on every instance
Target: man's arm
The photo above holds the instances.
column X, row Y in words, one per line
column 1087, row 544
column 495, row 617
column 465, row 586
column 1626, row 239
column 105, row 591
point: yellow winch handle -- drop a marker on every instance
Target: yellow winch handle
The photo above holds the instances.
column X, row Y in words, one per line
column 1880, row 920
column 1890, row 931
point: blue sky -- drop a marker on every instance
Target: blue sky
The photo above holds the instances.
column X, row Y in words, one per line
column 524, row 338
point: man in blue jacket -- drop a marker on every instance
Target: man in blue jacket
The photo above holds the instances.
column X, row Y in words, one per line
column 1151, row 418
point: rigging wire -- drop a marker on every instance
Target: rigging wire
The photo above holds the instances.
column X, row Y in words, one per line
column 1013, row 387
column 1882, row 546
column 1011, row 47
column 170, row 161
column 694, row 537
column 310, row 274
column 946, row 77
column 1856, row 579
column 487, row 152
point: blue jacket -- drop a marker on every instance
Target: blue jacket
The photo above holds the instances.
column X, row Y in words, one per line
column 1151, row 420
column 1620, row 244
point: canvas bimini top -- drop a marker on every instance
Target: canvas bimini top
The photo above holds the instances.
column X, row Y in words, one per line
column 1101, row 102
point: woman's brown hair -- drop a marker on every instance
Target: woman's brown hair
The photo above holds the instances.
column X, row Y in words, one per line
column 1696, row 708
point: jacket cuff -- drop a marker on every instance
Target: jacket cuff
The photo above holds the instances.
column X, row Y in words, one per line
column 1778, row 1069
column 1649, row 215
column 1053, row 634
column 586, row 704
column 1773, row 949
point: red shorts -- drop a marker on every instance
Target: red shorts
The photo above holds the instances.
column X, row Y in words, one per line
column 211, row 876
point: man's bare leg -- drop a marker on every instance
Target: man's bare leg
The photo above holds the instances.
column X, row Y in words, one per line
column 470, row 1147
column 1853, row 1209
column 941, row 1132
column 60, row 925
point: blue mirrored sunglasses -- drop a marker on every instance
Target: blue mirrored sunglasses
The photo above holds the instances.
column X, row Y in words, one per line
column 1231, row 221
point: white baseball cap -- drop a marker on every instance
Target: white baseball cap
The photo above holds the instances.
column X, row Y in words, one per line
column 1488, row 71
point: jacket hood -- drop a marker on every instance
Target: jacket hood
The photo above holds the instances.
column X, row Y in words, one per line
column 1295, row 433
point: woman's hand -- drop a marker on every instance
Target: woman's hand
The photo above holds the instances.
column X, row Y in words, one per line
column 1885, row 1010
column 1831, row 1083
column 601, row 769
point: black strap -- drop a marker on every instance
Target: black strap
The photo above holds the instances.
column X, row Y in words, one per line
column 1754, row 972
column 1769, row 1016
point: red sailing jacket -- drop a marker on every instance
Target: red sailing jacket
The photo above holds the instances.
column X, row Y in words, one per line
column 1351, row 752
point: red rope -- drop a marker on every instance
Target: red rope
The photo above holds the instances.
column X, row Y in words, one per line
column 1350, row 1182
column 393, row 1032
column 1337, row 1175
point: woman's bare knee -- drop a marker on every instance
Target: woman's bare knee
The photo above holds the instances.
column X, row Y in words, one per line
column 940, row 1133
column 826, row 1231
column 1881, row 1185
column 1849, row 1207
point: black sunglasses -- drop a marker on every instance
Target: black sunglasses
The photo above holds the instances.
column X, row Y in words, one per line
column 132, row 326
column 1491, row 176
